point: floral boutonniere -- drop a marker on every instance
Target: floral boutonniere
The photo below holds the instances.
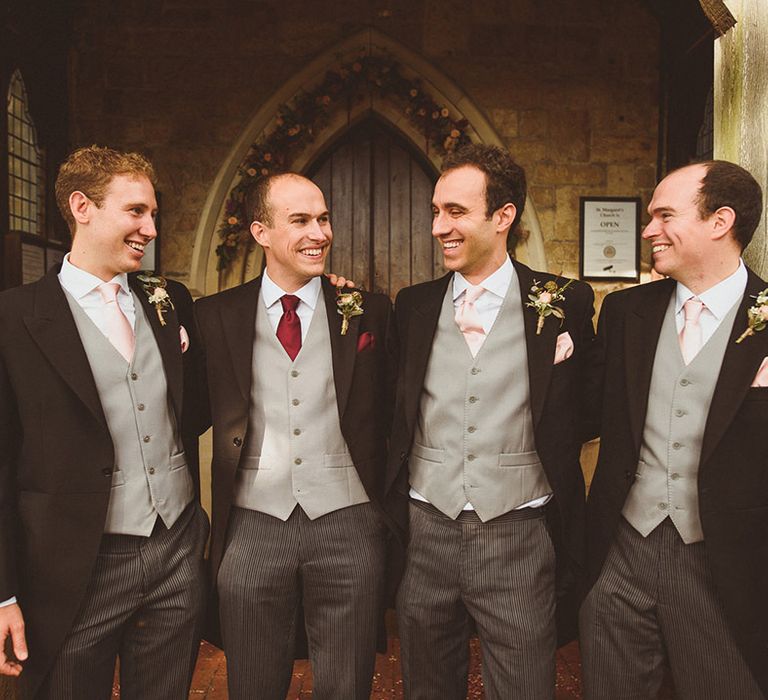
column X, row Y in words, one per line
column 154, row 287
column 543, row 300
column 348, row 304
column 757, row 316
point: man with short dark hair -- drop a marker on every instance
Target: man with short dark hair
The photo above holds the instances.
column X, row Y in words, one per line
column 678, row 508
column 299, row 395
column 484, row 476
column 101, row 532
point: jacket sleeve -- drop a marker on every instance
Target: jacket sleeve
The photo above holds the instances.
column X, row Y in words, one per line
column 10, row 432
column 594, row 372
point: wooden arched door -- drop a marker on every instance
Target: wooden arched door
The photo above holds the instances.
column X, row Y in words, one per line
column 379, row 191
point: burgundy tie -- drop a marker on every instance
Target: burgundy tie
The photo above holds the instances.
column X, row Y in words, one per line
column 289, row 328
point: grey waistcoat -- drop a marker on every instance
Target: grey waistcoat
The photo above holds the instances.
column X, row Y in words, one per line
column 150, row 476
column 474, row 437
column 294, row 450
column 678, row 406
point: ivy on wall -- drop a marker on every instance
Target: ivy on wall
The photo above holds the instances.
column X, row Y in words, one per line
column 298, row 121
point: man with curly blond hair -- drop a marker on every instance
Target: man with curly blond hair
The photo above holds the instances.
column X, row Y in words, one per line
column 101, row 532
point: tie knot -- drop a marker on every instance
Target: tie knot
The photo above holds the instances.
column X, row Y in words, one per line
column 473, row 293
column 108, row 291
column 289, row 302
column 692, row 310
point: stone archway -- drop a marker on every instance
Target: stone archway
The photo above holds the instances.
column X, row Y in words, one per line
column 204, row 277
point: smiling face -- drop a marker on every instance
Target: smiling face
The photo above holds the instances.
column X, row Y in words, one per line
column 472, row 243
column 297, row 239
column 110, row 239
column 694, row 251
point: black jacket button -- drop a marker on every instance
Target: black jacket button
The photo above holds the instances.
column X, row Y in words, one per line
column 106, row 471
column 237, row 442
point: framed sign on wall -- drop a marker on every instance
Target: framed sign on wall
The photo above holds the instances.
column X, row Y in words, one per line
column 609, row 238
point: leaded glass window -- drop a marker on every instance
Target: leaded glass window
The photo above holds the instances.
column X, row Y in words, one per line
column 26, row 188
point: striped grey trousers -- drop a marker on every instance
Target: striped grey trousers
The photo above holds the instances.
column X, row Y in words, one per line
column 144, row 604
column 501, row 574
column 334, row 565
column 655, row 602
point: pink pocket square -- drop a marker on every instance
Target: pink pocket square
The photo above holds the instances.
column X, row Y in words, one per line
column 761, row 378
column 564, row 348
column 366, row 340
column 184, row 338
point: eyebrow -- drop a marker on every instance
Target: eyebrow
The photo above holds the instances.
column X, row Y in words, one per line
column 451, row 205
column 307, row 215
column 139, row 205
column 661, row 210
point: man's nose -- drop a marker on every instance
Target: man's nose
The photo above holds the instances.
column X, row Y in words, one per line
column 440, row 224
column 650, row 230
column 148, row 227
column 318, row 231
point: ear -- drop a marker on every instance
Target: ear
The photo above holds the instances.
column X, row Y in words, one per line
column 259, row 233
column 504, row 217
column 79, row 206
column 722, row 220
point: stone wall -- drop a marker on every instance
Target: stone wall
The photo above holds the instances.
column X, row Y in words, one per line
column 741, row 106
column 572, row 87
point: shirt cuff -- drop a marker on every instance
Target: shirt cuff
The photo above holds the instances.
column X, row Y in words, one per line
column 8, row 602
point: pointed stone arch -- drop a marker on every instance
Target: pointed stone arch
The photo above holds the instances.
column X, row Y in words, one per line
column 205, row 279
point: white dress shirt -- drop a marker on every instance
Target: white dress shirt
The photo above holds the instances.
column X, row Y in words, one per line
column 488, row 306
column 82, row 286
column 308, row 294
column 717, row 300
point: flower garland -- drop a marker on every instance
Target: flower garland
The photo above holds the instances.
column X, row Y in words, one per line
column 298, row 121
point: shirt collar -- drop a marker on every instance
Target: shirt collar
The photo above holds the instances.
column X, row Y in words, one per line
column 496, row 283
column 272, row 293
column 720, row 298
column 80, row 283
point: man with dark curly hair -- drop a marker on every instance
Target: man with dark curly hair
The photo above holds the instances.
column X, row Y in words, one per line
column 101, row 531
column 484, row 475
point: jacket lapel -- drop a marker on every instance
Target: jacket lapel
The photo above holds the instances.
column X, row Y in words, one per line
column 540, row 348
column 641, row 336
column 238, row 324
column 420, row 334
column 740, row 364
column 53, row 328
column 343, row 347
column 168, row 342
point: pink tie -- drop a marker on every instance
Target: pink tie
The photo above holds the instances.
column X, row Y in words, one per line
column 119, row 331
column 690, row 336
column 468, row 320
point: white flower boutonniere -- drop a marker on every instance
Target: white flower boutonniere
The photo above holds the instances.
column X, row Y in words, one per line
column 154, row 287
column 543, row 300
column 757, row 316
column 348, row 304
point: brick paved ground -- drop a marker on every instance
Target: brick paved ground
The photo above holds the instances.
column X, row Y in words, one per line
column 210, row 679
